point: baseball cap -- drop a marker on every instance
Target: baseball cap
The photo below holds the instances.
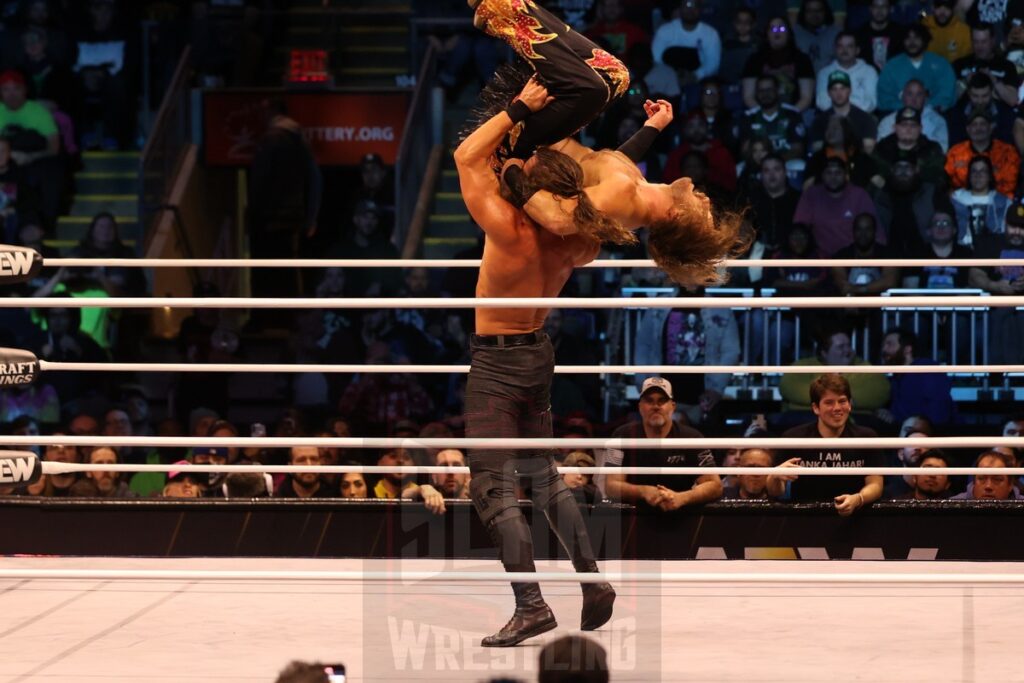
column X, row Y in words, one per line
column 210, row 450
column 942, row 3
column 1015, row 214
column 838, row 76
column 12, row 76
column 372, row 158
column 835, row 159
column 659, row 383
column 578, row 459
column 174, row 475
column 366, row 206
column 405, row 427
column 979, row 113
column 908, row 114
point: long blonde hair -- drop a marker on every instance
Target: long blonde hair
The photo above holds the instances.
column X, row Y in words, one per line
column 690, row 246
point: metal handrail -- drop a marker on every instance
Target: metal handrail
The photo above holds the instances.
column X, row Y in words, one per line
column 165, row 145
column 413, row 132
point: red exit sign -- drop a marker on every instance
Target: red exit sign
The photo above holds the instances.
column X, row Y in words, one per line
column 307, row 66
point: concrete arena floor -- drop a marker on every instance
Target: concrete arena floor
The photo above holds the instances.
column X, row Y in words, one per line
column 98, row 630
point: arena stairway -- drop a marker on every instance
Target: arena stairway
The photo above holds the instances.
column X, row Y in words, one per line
column 108, row 181
column 367, row 41
column 449, row 228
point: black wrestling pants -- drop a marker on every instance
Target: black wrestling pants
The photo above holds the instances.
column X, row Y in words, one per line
column 508, row 394
column 583, row 78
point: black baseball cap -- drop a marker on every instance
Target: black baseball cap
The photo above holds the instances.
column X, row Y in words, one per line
column 908, row 114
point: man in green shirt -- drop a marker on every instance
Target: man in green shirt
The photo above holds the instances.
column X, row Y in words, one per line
column 20, row 117
column 35, row 142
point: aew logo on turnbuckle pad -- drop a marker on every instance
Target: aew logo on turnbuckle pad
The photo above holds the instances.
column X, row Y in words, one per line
column 19, row 467
column 18, row 264
column 17, row 367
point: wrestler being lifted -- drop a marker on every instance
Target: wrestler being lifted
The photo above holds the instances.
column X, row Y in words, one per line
column 569, row 188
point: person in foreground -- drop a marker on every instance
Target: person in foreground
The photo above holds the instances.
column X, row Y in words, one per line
column 508, row 393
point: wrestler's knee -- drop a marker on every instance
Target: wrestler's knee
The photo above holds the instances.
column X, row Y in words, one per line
column 493, row 496
column 547, row 492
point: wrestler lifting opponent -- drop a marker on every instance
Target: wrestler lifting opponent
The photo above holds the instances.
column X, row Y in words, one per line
column 508, row 393
column 569, row 188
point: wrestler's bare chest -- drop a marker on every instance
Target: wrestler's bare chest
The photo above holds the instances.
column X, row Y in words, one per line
column 600, row 166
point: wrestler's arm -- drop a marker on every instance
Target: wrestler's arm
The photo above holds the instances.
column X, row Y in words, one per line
column 555, row 213
column 480, row 187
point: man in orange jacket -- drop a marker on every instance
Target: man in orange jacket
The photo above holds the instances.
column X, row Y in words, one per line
column 979, row 142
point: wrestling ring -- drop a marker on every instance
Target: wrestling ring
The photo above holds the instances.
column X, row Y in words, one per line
column 242, row 619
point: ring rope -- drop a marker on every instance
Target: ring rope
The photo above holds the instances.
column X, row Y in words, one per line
column 932, row 578
column 527, row 577
column 475, row 263
column 71, row 467
column 918, row 302
column 516, row 443
column 61, row 366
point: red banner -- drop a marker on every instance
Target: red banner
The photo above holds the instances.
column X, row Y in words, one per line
column 340, row 127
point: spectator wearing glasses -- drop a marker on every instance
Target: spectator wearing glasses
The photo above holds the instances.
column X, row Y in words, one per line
column 980, row 209
column 781, row 59
column 941, row 244
column 981, row 142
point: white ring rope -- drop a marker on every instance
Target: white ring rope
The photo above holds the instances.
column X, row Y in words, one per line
column 70, row 467
column 918, row 302
column 931, row 578
column 475, row 263
column 61, row 366
column 518, row 443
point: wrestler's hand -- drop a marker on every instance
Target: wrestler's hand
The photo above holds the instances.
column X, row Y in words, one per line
column 659, row 114
column 535, row 96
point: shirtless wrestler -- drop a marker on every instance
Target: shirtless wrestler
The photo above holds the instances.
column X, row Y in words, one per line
column 508, row 393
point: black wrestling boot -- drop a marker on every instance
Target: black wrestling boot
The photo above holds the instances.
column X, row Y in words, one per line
column 566, row 522
column 512, row 538
column 598, row 599
column 531, row 618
